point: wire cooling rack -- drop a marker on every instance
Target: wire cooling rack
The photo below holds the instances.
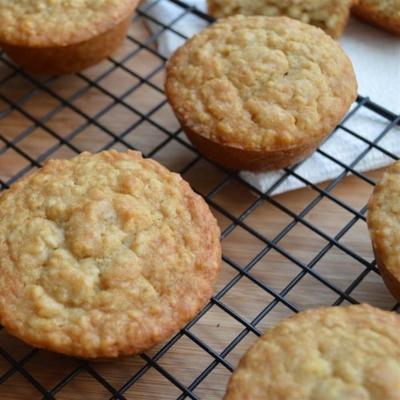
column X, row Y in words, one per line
column 280, row 254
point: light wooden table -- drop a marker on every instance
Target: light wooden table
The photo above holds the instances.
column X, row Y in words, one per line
column 185, row 360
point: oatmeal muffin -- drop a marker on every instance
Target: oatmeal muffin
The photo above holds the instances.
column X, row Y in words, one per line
column 382, row 13
column 62, row 36
column 259, row 93
column 104, row 255
column 329, row 15
column 346, row 353
column 384, row 227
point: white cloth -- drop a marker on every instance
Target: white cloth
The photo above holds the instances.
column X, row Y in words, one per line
column 376, row 57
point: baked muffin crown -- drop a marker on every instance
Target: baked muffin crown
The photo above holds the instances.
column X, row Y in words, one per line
column 103, row 255
column 382, row 13
column 385, row 7
column 330, row 15
column 48, row 23
column 335, row 353
column 260, row 83
column 384, row 226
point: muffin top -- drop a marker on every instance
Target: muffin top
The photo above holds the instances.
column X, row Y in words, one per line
column 260, row 83
column 346, row 353
column 329, row 15
column 389, row 8
column 384, row 219
column 103, row 255
column 47, row 23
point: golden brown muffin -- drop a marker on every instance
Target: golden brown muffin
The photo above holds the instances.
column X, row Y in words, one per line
column 346, row 353
column 62, row 36
column 104, row 255
column 384, row 227
column 382, row 13
column 259, row 93
column 329, row 15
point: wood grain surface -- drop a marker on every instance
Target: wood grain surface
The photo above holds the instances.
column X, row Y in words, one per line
column 186, row 359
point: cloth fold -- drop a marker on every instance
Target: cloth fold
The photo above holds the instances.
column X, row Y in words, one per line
column 376, row 58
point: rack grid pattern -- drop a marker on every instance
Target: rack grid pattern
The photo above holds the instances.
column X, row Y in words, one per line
column 80, row 116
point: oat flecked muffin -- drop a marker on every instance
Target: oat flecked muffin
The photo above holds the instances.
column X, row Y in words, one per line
column 259, row 93
column 384, row 227
column 104, row 255
column 346, row 353
column 62, row 36
column 329, row 15
column 382, row 13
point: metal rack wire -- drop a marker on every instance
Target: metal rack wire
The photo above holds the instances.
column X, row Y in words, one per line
column 28, row 137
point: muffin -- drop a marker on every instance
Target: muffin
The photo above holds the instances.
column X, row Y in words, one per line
column 259, row 93
column 346, row 353
column 329, row 15
column 382, row 13
column 104, row 255
column 384, row 227
column 62, row 36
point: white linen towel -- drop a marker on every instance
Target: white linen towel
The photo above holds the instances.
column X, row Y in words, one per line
column 376, row 58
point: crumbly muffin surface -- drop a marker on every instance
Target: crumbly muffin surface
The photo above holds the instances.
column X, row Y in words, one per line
column 389, row 8
column 384, row 14
column 384, row 219
column 260, row 83
column 103, row 255
column 346, row 353
column 330, row 15
column 46, row 23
